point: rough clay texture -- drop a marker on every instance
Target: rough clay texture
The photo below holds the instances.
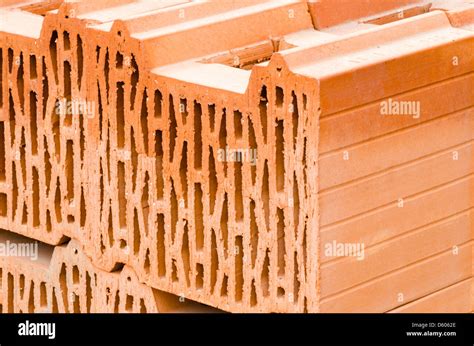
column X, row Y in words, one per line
column 140, row 181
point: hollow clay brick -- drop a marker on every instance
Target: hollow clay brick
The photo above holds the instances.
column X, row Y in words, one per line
column 140, row 181
column 62, row 279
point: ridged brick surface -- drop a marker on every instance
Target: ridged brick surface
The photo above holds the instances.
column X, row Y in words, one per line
column 139, row 179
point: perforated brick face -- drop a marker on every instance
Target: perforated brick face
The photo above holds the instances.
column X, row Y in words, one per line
column 219, row 160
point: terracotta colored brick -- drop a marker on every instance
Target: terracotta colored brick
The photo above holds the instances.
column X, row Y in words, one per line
column 139, row 180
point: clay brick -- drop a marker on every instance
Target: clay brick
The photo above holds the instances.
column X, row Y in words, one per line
column 141, row 182
column 62, row 279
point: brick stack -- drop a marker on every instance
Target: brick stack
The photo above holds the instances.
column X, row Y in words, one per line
column 216, row 150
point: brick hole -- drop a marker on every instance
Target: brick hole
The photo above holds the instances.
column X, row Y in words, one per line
column 280, row 292
column 31, row 297
column 66, row 40
column 110, row 229
column 10, row 293
column 198, row 217
column 23, row 155
column 265, row 276
column 224, row 222
column 47, row 164
column 161, row 248
column 253, row 146
column 83, row 209
column 174, row 211
column 185, row 254
column 107, row 150
column 76, row 303
column 33, row 68
column 134, row 158
column 129, row 303
column 158, row 104
column 134, row 81
column 14, row 191
column 57, row 202
column 80, row 61
column 197, row 135
column 20, row 83
column 56, row 129
column 238, row 194
column 160, row 185
column 296, row 204
column 172, row 127
column 146, row 264
column 142, row 306
column 253, row 233
column 296, row 282
column 144, row 202
column 295, row 118
column 45, row 85
column 174, row 271
column 43, row 295
column 263, row 109
column 212, row 181
column 183, row 173
column 253, row 294
column 49, row 226
column 10, row 60
column 239, row 269
column 54, row 303
column 11, row 117
column 279, row 95
column 223, row 138
column 280, row 156
column 214, row 267
column 82, row 140
column 120, row 116
column 36, row 198
column 305, row 102
column 238, row 124
column 183, row 109
column 136, row 233
column 281, row 241
column 101, row 110
column 224, row 287
column 69, row 170
column 3, row 205
column 88, row 292
column 119, row 60
column 122, row 199
column 97, row 54
column 211, row 109
column 107, row 74
column 116, row 302
column 122, row 244
column 266, row 195
column 199, row 276
column 63, row 287
column 3, row 172
column 33, row 123
column 75, row 275
column 21, row 284
column 144, row 121
column 24, row 218
column 67, row 93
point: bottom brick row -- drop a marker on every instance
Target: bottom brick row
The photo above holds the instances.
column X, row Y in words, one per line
column 35, row 277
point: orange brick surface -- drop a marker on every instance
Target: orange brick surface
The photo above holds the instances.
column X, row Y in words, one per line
column 139, row 178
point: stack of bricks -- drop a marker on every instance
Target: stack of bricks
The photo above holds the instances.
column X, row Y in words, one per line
column 225, row 151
